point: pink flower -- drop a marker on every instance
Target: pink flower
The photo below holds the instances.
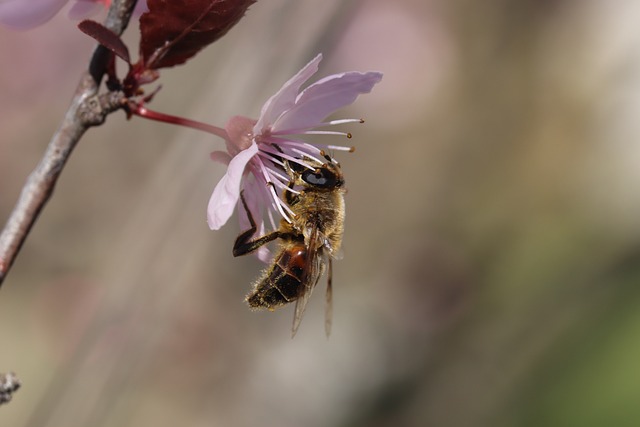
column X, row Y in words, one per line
column 255, row 148
column 27, row 14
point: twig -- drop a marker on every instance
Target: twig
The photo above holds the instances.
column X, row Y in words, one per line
column 87, row 109
column 9, row 384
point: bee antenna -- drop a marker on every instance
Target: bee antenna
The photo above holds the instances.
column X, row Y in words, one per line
column 328, row 157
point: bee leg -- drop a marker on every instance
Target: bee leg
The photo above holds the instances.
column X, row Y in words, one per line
column 243, row 244
column 290, row 197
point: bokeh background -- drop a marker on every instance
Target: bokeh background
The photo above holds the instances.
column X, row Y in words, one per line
column 492, row 247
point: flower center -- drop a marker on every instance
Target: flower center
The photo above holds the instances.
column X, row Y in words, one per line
column 240, row 132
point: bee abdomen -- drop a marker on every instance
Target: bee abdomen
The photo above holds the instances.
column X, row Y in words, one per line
column 282, row 283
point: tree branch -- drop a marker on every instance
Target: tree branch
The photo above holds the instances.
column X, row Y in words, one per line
column 86, row 110
column 9, row 384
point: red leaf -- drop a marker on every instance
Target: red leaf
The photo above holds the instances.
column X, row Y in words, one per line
column 106, row 38
column 174, row 31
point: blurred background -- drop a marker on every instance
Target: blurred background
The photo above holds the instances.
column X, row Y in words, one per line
column 492, row 246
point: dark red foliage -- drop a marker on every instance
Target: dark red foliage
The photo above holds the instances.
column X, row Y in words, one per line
column 174, row 31
column 106, row 38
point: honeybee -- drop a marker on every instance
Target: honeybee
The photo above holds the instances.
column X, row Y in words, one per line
column 308, row 243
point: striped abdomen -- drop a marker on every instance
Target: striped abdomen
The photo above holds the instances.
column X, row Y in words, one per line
column 283, row 281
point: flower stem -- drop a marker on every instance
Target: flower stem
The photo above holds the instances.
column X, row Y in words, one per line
column 144, row 112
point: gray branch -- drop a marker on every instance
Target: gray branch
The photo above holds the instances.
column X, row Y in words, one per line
column 87, row 109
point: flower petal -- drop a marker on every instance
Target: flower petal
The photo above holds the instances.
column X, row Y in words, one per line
column 285, row 98
column 26, row 14
column 253, row 196
column 227, row 192
column 264, row 254
column 324, row 97
column 220, row 157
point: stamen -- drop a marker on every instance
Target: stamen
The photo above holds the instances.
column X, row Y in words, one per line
column 278, row 184
column 341, row 148
column 301, row 131
column 263, row 170
column 315, row 159
column 298, row 147
column 266, row 201
column 301, row 162
column 327, row 132
column 272, row 149
column 280, row 205
column 276, row 174
column 341, row 122
column 271, row 173
column 293, row 214
column 282, row 154
column 291, row 190
column 298, row 143
column 271, row 158
column 277, row 202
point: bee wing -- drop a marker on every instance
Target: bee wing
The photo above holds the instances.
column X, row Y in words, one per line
column 312, row 273
column 328, row 307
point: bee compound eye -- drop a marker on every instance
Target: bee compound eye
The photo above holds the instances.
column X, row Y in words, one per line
column 314, row 178
column 320, row 178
